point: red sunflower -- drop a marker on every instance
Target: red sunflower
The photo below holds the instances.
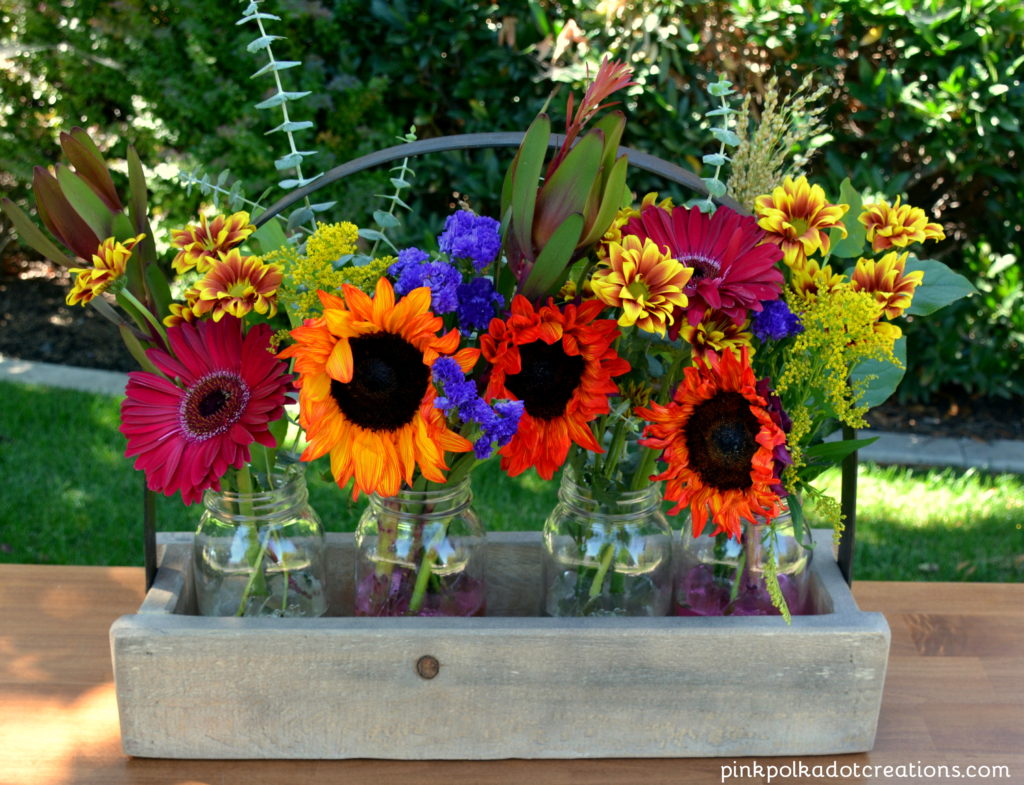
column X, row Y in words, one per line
column 560, row 363
column 732, row 272
column 719, row 440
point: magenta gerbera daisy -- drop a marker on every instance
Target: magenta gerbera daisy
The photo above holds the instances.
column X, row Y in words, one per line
column 732, row 272
column 222, row 392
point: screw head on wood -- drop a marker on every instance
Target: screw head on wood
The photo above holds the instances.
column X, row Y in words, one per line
column 427, row 667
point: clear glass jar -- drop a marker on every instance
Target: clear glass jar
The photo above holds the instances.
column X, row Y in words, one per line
column 261, row 552
column 607, row 554
column 718, row 576
column 421, row 553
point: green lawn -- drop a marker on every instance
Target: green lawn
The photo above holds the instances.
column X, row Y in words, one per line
column 70, row 497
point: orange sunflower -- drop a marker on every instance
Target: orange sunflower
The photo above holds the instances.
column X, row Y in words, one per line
column 560, row 364
column 199, row 244
column 365, row 391
column 720, row 442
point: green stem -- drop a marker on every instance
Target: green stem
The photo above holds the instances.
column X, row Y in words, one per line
column 422, row 577
column 256, row 580
column 145, row 312
column 611, row 460
column 641, row 479
column 602, row 570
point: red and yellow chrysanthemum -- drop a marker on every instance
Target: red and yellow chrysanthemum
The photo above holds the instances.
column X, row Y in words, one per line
column 200, row 245
column 897, row 225
column 108, row 264
column 888, row 280
column 613, row 234
column 797, row 217
column 366, row 397
column 810, row 278
column 717, row 333
column 719, row 440
column 236, row 285
column 560, row 363
column 638, row 278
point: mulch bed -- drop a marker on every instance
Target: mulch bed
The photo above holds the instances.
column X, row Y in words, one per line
column 36, row 324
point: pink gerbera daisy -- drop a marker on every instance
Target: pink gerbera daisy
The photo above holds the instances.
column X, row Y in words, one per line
column 732, row 273
column 222, row 392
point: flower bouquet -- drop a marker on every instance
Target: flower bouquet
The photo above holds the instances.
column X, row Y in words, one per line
column 698, row 353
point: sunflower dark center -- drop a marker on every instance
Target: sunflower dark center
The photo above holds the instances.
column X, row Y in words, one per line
column 212, row 405
column 547, row 380
column 389, row 380
column 721, row 437
column 703, row 266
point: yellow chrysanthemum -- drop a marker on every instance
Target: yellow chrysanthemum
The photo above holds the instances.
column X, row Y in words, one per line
column 108, row 264
column 717, row 333
column 201, row 244
column 797, row 217
column 888, row 281
column 236, row 285
column 614, row 232
column 645, row 283
column 897, row 225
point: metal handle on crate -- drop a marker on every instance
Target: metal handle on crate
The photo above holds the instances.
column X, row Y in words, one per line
column 442, row 144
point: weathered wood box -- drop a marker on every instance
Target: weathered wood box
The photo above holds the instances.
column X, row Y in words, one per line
column 512, row 685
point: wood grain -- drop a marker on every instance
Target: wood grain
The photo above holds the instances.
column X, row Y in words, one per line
column 58, row 724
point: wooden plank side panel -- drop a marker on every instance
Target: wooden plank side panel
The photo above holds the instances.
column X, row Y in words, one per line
column 506, row 688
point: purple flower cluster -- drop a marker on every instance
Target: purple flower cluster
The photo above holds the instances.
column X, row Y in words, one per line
column 498, row 424
column 775, row 321
column 476, row 304
column 413, row 270
column 473, row 237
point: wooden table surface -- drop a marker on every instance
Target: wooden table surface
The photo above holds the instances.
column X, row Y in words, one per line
column 954, row 697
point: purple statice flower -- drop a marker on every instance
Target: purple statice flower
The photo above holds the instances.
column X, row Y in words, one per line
column 406, row 257
column 469, row 236
column 440, row 277
column 476, row 304
column 459, row 392
column 498, row 424
column 775, row 321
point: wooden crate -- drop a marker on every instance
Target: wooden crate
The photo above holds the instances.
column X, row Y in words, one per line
column 512, row 685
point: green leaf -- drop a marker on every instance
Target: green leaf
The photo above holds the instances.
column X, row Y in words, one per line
column 524, row 181
column 834, row 452
column 385, row 220
column 853, row 244
column 722, row 111
column 29, row 233
column 612, row 126
column 136, row 350
column 159, row 290
column 138, row 208
column 269, row 236
column 279, row 98
column 291, row 126
column 725, row 136
column 553, row 261
column 611, row 199
column 299, row 217
column 399, row 183
column 940, row 287
column 277, row 65
column 567, row 190
column 715, row 159
column 85, row 156
column 716, row 188
column 262, row 42
column 85, row 201
column 886, row 376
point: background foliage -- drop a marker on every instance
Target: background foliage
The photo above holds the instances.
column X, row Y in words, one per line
column 924, row 99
